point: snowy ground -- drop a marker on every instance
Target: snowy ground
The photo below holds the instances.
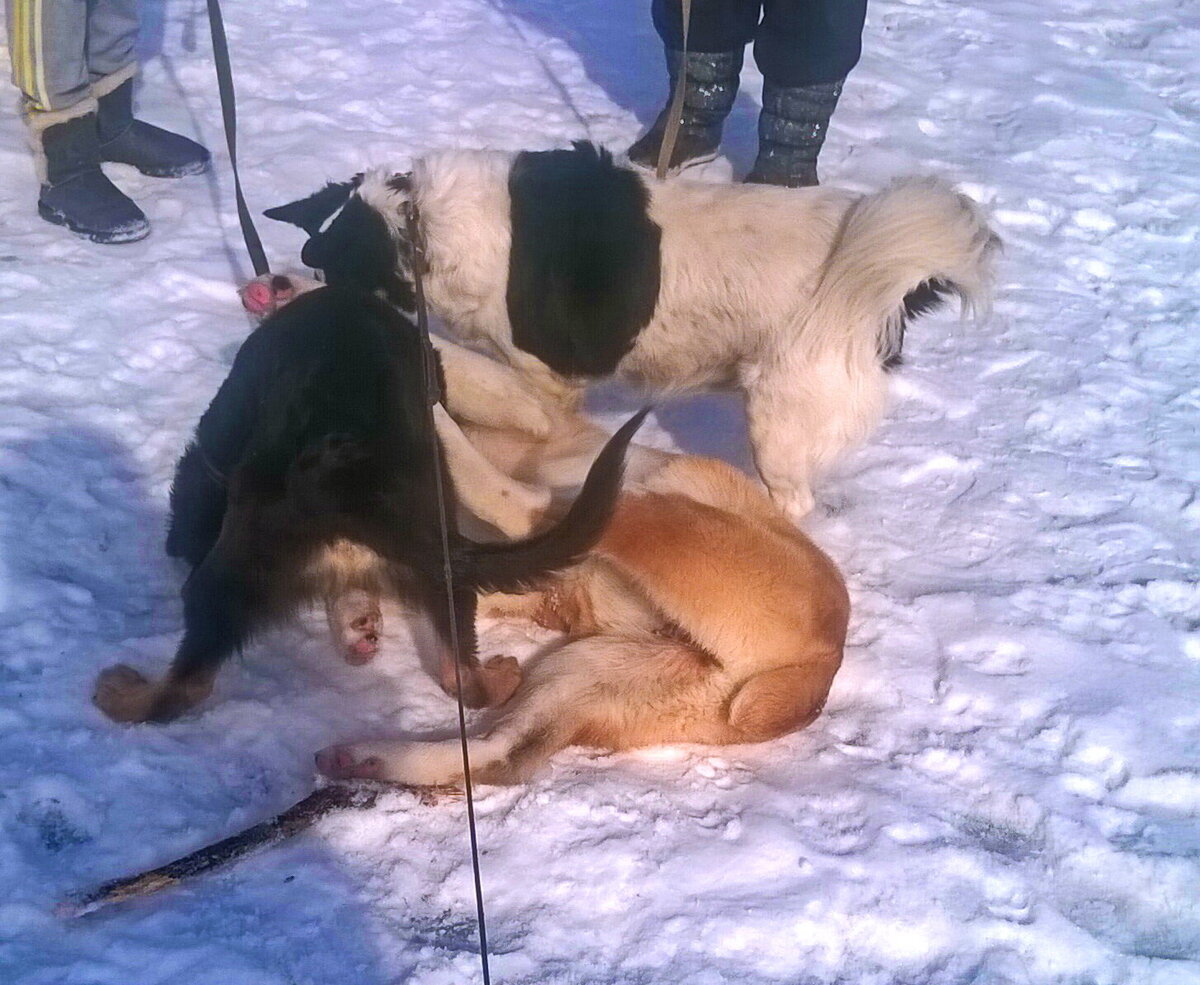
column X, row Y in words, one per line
column 1005, row 787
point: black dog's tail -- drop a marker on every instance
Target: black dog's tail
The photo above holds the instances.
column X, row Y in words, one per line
column 518, row 566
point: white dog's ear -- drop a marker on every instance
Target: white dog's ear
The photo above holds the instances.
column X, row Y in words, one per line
column 310, row 213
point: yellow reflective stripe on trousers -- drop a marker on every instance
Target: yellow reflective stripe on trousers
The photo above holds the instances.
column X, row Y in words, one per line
column 18, row 46
column 29, row 67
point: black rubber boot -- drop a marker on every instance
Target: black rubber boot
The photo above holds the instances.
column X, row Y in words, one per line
column 77, row 194
column 152, row 150
column 712, row 85
column 791, row 130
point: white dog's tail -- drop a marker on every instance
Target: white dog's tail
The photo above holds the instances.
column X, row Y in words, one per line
column 900, row 252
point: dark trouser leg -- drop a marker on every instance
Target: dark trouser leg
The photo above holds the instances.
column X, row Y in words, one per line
column 804, row 48
column 716, row 25
column 807, row 42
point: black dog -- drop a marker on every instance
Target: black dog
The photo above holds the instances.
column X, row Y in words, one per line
column 313, row 472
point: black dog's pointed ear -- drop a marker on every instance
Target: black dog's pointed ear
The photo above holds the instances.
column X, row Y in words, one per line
column 310, row 213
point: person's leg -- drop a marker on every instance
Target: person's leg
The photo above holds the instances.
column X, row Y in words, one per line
column 112, row 34
column 715, row 25
column 111, row 38
column 809, row 42
column 804, row 49
column 48, row 42
column 718, row 33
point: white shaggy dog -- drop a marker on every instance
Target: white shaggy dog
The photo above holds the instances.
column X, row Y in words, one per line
column 572, row 267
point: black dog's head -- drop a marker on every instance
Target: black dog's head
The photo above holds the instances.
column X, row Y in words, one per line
column 357, row 234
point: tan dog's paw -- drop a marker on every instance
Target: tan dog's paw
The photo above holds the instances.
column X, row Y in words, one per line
column 500, row 677
column 123, row 694
column 483, row 685
column 344, row 762
column 361, row 639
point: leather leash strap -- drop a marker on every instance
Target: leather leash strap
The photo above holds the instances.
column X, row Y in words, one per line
column 433, row 396
column 229, row 111
column 671, row 133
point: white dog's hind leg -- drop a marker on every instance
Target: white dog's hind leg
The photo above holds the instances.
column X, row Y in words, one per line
column 803, row 415
column 421, row 764
column 513, row 751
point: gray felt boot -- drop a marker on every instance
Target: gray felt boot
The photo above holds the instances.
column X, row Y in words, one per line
column 712, row 85
column 791, row 130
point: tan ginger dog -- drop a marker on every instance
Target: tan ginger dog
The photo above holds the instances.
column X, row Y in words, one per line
column 703, row 615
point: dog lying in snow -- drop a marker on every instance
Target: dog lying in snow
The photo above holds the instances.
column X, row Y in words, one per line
column 570, row 267
column 313, row 472
column 702, row 615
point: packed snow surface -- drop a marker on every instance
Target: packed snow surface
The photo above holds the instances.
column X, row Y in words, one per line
column 1005, row 787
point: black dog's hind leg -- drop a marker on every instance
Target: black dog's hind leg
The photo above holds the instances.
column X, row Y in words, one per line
column 235, row 590
column 218, row 616
column 198, row 499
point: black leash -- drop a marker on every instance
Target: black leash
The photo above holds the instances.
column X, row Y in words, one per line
column 433, row 396
column 258, row 257
column 229, row 111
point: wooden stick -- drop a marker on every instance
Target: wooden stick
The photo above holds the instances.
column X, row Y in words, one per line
column 297, row 818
